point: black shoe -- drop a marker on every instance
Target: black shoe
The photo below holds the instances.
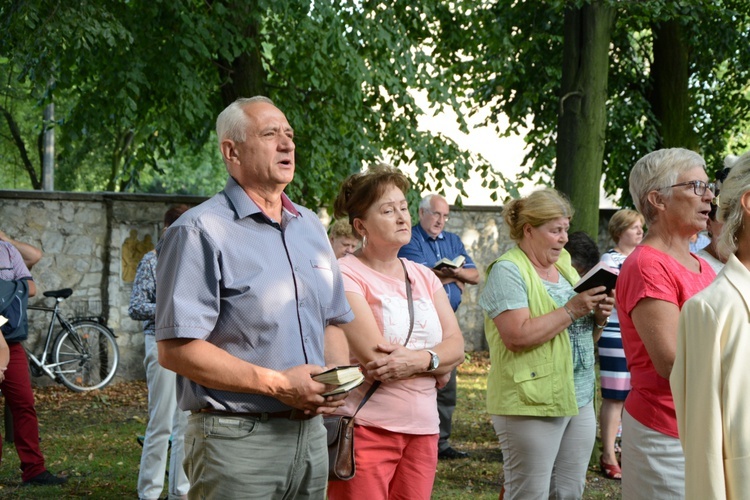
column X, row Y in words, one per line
column 451, row 454
column 46, row 479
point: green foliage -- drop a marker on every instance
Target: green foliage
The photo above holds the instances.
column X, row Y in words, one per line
column 512, row 53
column 138, row 85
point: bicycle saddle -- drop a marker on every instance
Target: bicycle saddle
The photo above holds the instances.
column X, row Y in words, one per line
column 64, row 293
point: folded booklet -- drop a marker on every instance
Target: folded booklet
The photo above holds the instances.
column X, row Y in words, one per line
column 599, row 275
column 345, row 387
column 345, row 377
column 446, row 262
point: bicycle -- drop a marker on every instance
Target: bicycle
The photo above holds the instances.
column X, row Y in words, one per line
column 84, row 355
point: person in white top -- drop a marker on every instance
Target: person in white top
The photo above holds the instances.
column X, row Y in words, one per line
column 626, row 229
column 714, row 225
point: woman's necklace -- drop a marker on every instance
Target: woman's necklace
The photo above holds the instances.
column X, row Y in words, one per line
column 543, row 273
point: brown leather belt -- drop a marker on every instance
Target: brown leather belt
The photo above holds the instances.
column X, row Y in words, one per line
column 293, row 414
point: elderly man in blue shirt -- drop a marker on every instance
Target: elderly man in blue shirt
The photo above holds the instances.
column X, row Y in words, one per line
column 247, row 285
column 429, row 244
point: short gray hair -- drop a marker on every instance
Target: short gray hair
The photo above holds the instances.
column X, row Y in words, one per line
column 232, row 122
column 656, row 171
column 735, row 185
column 426, row 202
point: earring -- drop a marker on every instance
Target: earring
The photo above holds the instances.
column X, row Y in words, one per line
column 364, row 241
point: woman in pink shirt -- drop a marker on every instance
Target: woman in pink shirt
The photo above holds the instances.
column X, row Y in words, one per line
column 396, row 431
column 671, row 189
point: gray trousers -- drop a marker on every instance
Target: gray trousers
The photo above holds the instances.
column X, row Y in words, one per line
column 546, row 458
column 242, row 457
column 446, row 404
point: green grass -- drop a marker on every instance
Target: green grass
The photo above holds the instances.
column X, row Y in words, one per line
column 91, row 438
column 88, row 437
column 479, row 476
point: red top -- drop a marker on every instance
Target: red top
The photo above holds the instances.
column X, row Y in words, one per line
column 650, row 273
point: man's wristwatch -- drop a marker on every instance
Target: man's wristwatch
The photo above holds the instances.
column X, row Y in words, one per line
column 434, row 361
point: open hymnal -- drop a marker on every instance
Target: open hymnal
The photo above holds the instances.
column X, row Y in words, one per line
column 345, row 378
column 446, row 262
column 599, row 275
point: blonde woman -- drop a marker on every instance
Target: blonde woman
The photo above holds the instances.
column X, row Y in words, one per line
column 541, row 334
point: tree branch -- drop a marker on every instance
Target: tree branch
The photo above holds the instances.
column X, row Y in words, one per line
column 21, row 146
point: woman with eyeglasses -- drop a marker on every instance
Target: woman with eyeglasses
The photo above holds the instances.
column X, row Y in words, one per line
column 670, row 189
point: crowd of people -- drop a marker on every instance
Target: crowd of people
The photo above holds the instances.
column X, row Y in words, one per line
column 255, row 298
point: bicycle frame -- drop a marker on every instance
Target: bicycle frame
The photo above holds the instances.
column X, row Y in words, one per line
column 41, row 363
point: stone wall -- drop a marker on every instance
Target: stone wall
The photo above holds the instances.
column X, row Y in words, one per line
column 93, row 241
column 83, row 236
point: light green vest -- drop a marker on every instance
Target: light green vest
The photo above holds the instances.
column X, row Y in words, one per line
column 539, row 381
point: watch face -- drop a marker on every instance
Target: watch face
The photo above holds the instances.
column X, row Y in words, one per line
column 434, row 361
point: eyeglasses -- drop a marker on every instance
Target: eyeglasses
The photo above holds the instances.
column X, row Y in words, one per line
column 699, row 187
column 437, row 214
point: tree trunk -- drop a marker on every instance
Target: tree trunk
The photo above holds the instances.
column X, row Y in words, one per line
column 15, row 133
column 244, row 76
column 669, row 97
column 582, row 118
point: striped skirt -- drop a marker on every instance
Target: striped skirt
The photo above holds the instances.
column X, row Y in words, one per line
column 613, row 367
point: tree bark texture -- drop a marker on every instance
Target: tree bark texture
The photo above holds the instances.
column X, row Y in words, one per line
column 669, row 97
column 582, row 118
column 244, row 76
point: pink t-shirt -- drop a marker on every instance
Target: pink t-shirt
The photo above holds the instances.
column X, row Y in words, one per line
column 650, row 273
column 406, row 406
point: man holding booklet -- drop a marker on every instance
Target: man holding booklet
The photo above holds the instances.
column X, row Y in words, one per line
column 446, row 255
column 247, row 289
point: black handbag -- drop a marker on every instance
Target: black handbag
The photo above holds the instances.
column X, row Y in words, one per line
column 340, row 428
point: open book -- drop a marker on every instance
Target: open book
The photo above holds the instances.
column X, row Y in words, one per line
column 599, row 275
column 446, row 262
column 345, row 378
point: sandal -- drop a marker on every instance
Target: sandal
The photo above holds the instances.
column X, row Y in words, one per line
column 610, row 471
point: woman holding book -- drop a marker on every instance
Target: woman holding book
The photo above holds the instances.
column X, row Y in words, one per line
column 670, row 189
column 541, row 334
column 626, row 230
column 711, row 369
column 404, row 334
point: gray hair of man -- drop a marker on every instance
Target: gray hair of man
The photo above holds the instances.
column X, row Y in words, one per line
column 731, row 212
column 656, row 171
column 426, row 202
column 232, row 122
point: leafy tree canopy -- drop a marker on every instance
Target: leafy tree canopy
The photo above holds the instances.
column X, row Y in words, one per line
column 512, row 53
column 137, row 86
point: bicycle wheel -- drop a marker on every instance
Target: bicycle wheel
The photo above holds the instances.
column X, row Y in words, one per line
column 85, row 356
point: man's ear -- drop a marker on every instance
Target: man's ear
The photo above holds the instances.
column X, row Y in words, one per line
column 228, row 151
